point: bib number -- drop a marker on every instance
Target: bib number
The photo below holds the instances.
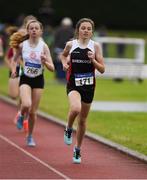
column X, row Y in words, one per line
column 32, row 70
column 84, row 79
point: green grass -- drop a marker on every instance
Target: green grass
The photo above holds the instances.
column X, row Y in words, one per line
column 128, row 129
column 127, row 90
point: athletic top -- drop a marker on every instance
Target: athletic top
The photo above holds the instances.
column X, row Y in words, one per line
column 81, row 71
column 10, row 53
column 31, row 58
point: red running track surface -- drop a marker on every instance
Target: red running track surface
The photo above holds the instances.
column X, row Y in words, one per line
column 52, row 159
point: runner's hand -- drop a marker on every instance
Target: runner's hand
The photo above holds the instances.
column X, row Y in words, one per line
column 43, row 58
column 65, row 66
column 91, row 55
column 13, row 75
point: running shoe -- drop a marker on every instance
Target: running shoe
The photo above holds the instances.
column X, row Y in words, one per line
column 68, row 136
column 19, row 122
column 25, row 125
column 30, row 141
column 76, row 156
column 16, row 117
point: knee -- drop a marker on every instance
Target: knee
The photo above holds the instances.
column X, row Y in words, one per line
column 26, row 105
column 13, row 95
column 75, row 109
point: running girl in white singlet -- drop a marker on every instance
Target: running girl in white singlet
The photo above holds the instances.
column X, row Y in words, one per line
column 35, row 55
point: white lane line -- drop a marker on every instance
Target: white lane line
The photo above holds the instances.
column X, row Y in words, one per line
column 34, row 157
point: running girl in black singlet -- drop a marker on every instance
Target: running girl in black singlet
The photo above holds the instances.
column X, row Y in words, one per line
column 80, row 58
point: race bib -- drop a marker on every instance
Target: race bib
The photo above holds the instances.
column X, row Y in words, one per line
column 84, row 79
column 32, row 69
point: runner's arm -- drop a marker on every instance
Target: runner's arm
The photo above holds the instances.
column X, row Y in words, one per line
column 47, row 59
column 97, row 58
column 64, row 56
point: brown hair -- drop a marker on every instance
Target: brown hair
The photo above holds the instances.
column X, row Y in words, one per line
column 79, row 24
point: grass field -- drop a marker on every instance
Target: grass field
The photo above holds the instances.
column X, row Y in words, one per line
column 128, row 129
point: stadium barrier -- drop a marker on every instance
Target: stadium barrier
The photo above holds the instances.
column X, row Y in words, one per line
column 119, row 68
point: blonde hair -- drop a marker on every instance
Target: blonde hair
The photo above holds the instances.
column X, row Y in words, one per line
column 27, row 19
column 17, row 38
column 11, row 29
column 20, row 36
column 34, row 21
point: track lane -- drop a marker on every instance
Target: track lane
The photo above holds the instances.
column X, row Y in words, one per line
column 23, row 166
column 98, row 160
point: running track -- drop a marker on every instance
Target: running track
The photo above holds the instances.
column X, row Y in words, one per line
column 52, row 159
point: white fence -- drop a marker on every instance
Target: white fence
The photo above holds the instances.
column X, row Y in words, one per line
column 131, row 68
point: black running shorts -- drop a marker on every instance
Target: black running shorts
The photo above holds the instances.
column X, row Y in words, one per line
column 87, row 93
column 37, row 82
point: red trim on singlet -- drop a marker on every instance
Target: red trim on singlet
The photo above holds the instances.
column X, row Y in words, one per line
column 94, row 77
column 10, row 53
column 68, row 73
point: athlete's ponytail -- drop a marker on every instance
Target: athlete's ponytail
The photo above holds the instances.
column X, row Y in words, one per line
column 17, row 38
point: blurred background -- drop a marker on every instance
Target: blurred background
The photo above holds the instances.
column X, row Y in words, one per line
column 114, row 14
